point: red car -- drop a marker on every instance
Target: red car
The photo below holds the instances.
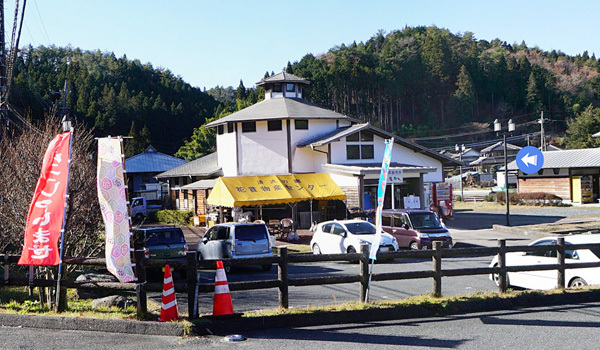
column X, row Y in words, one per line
column 415, row 229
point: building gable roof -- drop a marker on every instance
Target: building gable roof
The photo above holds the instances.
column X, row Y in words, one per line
column 499, row 146
column 280, row 108
column 152, row 161
column 571, row 158
column 339, row 133
column 283, row 77
column 204, row 166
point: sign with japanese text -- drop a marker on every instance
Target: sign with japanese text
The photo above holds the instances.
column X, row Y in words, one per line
column 385, row 165
column 113, row 205
column 46, row 212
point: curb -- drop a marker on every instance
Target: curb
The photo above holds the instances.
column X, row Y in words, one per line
column 92, row 324
column 520, row 230
column 228, row 326
column 525, row 300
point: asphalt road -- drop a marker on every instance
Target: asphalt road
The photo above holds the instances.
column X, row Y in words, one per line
column 468, row 229
column 557, row 327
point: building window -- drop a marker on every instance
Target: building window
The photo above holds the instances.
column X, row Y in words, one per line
column 366, row 136
column 185, row 200
column 367, row 152
column 352, row 138
column 273, row 125
column 229, row 127
column 220, row 129
column 248, row 126
column 276, row 87
column 352, row 151
column 301, row 124
column 290, row 87
column 363, row 149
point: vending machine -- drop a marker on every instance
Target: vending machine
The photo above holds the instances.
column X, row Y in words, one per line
column 439, row 196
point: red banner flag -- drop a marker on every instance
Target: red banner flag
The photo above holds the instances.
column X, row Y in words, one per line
column 47, row 210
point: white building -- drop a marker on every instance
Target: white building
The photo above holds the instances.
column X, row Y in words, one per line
column 285, row 134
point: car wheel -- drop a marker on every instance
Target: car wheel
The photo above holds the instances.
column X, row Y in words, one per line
column 496, row 278
column 351, row 250
column 577, row 282
column 138, row 218
column 227, row 269
column 267, row 267
column 413, row 246
column 316, row 249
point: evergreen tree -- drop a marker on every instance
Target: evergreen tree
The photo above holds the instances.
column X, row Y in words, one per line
column 582, row 127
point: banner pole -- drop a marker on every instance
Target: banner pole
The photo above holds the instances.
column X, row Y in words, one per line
column 58, row 306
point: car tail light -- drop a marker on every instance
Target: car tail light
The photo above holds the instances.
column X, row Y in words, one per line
column 147, row 253
column 185, row 248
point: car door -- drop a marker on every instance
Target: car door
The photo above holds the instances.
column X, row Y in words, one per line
column 534, row 279
column 403, row 235
column 338, row 237
column 212, row 247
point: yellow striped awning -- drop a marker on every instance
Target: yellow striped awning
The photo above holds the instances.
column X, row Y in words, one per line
column 241, row 191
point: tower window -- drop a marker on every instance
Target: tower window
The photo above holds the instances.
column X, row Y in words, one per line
column 248, row 126
column 274, row 125
column 301, row 124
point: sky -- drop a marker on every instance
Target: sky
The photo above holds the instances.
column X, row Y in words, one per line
column 219, row 42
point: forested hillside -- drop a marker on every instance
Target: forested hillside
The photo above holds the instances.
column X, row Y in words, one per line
column 117, row 96
column 418, row 81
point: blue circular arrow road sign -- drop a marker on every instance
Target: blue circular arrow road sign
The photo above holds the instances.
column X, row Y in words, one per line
column 530, row 160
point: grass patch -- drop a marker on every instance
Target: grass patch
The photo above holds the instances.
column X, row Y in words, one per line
column 294, row 249
column 16, row 300
column 428, row 301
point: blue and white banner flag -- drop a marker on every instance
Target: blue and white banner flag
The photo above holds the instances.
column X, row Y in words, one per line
column 385, row 165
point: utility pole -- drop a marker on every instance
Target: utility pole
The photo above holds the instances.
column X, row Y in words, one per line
column 542, row 139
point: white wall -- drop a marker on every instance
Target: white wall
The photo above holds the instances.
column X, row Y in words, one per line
column 345, row 180
column 263, row 152
column 400, row 154
column 303, row 159
column 226, row 153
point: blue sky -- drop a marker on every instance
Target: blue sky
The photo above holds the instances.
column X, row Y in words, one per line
column 219, row 42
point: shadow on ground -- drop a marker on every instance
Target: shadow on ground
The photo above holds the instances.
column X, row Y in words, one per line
column 469, row 220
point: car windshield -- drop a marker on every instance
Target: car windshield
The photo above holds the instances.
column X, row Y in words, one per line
column 165, row 237
column 250, row 232
column 360, row 228
column 424, row 221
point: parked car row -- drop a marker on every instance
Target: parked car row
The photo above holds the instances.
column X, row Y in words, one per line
column 413, row 229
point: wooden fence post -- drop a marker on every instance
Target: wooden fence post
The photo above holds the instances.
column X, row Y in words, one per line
column 364, row 271
column 561, row 262
column 437, row 269
column 192, row 284
column 502, row 280
column 282, row 275
column 140, row 287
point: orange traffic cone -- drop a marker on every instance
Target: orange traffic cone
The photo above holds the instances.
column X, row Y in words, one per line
column 222, row 302
column 168, row 308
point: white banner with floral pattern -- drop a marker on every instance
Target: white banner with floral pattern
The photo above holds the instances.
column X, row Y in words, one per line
column 113, row 204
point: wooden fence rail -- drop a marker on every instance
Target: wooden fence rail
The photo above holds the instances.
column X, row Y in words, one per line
column 192, row 287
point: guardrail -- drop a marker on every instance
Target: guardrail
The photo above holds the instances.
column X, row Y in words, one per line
column 192, row 287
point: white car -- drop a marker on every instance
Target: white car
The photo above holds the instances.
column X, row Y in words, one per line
column 548, row 279
column 346, row 236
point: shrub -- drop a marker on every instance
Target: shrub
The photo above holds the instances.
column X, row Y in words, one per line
column 490, row 198
column 530, row 198
column 174, row 217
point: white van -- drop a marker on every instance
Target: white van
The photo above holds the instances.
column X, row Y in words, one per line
column 235, row 240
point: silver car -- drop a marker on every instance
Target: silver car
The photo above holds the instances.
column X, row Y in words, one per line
column 236, row 240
